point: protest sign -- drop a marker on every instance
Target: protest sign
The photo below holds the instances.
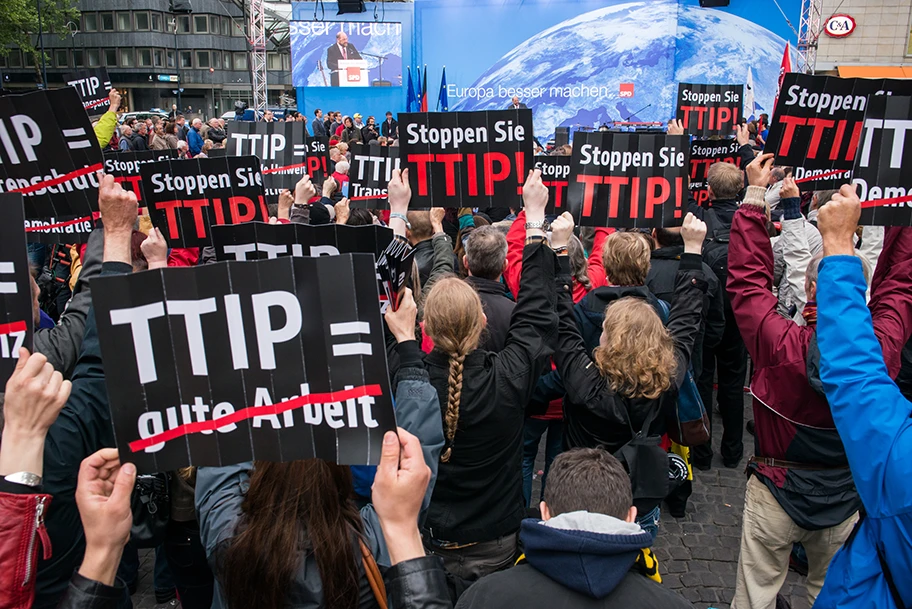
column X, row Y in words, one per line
column 818, row 124
column 394, row 266
column 370, row 173
column 49, row 154
column 276, row 360
column 556, row 176
column 709, row 109
column 93, row 86
column 124, row 166
column 285, row 150
column 478, row 159
column 186, row 198
column 15, row 287
column 703, row 154
column 884, row 188
column 628, row 180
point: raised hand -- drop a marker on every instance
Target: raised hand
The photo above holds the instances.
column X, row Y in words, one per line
column 118, row 206
column 305, row 191
column 286, row 201
column 437, row 215
column 693, row 232
column 401, row 322
column 789, row 189
column 758, row 172
column 742, row 134
column 155, row 248
column 838, row 220
column 535, row 197
column 343, row 211
column 675, row 127
column 399, row 192
column 561, row 229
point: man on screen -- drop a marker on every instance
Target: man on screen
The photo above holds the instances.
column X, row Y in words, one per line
column 342, row 49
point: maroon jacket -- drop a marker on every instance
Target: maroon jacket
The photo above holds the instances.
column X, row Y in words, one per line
column 22, row 532
column 792, row 418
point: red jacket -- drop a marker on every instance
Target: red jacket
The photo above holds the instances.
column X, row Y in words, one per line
column 21, row 533
column 792, row 419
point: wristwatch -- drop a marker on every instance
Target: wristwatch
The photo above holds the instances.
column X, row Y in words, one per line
column 540, row 225
column 25, row 478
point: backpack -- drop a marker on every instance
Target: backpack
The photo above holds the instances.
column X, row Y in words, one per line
column 646, row 461
column 715, row 248
column 692, row 421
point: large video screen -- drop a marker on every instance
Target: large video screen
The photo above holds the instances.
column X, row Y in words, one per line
column 346, row 54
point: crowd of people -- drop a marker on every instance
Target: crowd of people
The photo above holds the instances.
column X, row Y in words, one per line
column 514, row 326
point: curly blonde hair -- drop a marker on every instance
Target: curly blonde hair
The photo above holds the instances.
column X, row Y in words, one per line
column 625, row 257
column 454, row 320
column 638, row 360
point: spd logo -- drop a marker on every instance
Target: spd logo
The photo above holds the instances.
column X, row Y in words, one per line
column 626, row 89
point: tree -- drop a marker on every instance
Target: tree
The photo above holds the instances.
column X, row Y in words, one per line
column 19, row 25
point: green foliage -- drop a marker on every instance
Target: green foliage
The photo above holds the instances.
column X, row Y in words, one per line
column 19, row 23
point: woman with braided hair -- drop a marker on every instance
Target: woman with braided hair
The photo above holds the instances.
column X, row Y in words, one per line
column 477, row 505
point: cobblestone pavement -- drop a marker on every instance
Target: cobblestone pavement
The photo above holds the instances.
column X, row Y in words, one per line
column 698, row 554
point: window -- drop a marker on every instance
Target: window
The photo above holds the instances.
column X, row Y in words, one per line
column 145, row 57
column 93, row 58
column 201, row 24
column 202, row 59
column 90, row 22
column 156, row 22
column 213, row 24
column 158, row 57
column 273, row 61
column 61, row 58
column 110, row 56
column 240, row 61
column 126, row 58
column 186, row 59
column 15, row 58
column 226, row 26
column 123, row 22
column 237, row 29
column 29, row 60
column 141, row 21
column 2, row 61
column 170, row 57
column 78, row 58
column 183, row 24
column 216, row 60
column 107, row 22
column 226, row 60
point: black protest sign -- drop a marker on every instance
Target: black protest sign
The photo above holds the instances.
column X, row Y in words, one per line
column 709, row 109
column 277, row 360
column 94, row 86
column 49, row 154
column 703, row 154
column 370, row 173
column 628, row 180
column 124, row 166
column 285, row 150
column 478, row 159
column 394, row 266
column 818, row 124
column 884, row 188
column 556, row 176
column 186, row 198
column 15, row 287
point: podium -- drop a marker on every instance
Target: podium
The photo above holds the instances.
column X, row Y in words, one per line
column 353, row 73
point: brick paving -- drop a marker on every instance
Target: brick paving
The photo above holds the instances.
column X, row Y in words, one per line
column 698, row 554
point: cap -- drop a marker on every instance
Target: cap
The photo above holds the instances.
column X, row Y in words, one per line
column 357, row 115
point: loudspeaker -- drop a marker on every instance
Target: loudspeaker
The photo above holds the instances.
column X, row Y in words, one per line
column 561, row 136
column 713, row 3
column 181, row 6
column 351, row 6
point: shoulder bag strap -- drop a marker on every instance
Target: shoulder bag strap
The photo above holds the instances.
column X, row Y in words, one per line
column 373, row 575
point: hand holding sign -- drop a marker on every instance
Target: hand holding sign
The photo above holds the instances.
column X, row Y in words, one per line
column 535, row 197
column 343, row 211
column 837, row 221
column 742, row 134
column 758, row 172
column 286, row 200
column 305, row 190
column 155, row 249
column 399, row 192
column 561, row 230
column 675, row 127
column 693, row 232
column 401, row 322
column 118, row 207
column 789, row 189
column 329, row 187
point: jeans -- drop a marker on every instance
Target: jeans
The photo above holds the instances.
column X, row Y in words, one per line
column 650, row 521
column 471, row 563
column 533, row 430
column 128, row 571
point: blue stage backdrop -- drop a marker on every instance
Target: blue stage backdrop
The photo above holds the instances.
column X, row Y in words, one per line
column 577, row 62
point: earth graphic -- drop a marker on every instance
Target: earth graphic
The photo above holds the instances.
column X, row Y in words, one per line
column 654, row 45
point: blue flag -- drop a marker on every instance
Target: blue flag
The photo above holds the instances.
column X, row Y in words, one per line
column 410, row 100
column 443, row 102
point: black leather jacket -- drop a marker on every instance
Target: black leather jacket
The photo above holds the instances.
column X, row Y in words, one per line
column 419, row 583
column 85, row 593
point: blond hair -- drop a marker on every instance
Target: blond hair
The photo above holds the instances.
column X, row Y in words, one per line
column 625, row 257
column 638, row 360
column 725, row 179
column 454, row 320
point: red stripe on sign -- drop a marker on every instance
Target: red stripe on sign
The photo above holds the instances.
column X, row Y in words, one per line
column 367, row 198
column 39, row 229
column 821, row 176
column 97, row 103
column 254, row 411
column 59, row 179
column 882, row 202
column 285, row 168
column 16, row 326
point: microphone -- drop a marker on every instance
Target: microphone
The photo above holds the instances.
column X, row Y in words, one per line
column 632, row 114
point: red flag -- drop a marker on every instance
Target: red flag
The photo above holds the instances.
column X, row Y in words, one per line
column 424, row 100
column 784, row 68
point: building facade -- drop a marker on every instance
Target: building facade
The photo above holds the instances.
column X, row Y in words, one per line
column 153, row 56
column 880, row 44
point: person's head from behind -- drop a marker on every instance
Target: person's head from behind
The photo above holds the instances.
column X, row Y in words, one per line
column 810, row 277
column 421, row 229
column 821, row 198
column 360, row 217
column 725, row 181
column 343, row 167
column 635, row 352
column 285, row 503
column 335, row 155
column 588, row 480
column 668, row 237
column 383, row 140
column 579, row 265
column 625, row 257
column 486, row 253
column 343, row 147
column 454, row 320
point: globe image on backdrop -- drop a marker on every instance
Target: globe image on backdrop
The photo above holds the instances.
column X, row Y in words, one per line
column 653, row 45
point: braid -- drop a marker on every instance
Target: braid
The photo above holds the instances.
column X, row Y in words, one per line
column 454, row 397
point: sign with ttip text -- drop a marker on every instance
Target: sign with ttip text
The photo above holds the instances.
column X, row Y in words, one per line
column 556, row 176
column 285, row 151
column 818, row 123
column 94, row 86
column 709, row 109
column 883, row 187
column 703, row 154
column 277, row 360
column 370, row 173
column 124, row 166
column 628, row 180
column 478, row 159
column 186, row 198
column 15, row 288
column 49, row 154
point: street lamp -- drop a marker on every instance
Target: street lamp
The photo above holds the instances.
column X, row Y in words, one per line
column 177, row 63
column 72, row 30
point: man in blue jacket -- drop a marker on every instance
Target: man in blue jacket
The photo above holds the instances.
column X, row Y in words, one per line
column 873, row 419
column 194, row 139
